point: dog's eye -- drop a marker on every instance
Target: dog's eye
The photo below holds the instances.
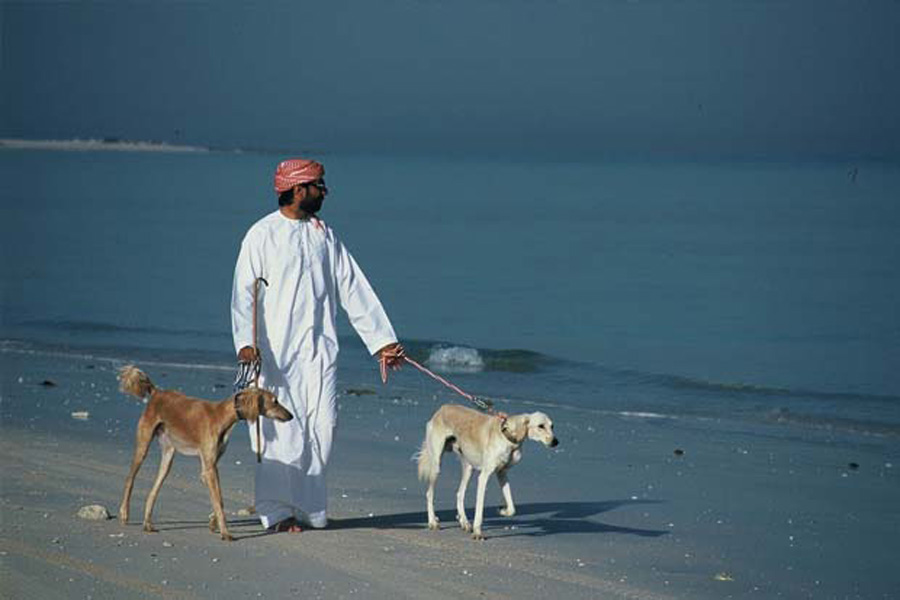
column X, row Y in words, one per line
column 541, row 426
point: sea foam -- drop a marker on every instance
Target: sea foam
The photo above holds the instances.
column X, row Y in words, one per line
column 457, row 359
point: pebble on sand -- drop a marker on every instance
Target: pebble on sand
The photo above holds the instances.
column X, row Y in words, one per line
column 81, row 415
column 48, row 383
column 853, row 465
column 678, row 452
column 94, row 512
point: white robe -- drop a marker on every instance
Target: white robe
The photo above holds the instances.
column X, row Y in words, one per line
column 309, row 271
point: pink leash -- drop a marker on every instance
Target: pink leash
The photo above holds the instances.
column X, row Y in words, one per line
column 485, row 405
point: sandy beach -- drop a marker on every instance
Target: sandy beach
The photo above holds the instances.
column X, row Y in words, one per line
column 614, row 512
column 673, row 227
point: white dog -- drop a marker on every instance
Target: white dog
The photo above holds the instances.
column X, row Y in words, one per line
column 488, row 443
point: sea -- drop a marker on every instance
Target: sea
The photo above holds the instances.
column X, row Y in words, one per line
column 753, row 295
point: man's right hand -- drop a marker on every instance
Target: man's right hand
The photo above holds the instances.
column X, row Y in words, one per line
column 248, row 354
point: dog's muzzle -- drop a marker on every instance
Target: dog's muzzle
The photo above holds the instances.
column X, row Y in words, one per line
column 554, row 443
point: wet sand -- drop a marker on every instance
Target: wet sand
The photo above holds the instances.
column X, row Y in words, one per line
column 614, row 512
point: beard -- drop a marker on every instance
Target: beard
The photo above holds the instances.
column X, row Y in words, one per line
column 311, row 205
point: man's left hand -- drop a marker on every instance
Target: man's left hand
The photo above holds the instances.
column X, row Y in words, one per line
column 392, row 355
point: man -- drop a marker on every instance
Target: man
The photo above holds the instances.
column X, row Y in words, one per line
column 308, row 272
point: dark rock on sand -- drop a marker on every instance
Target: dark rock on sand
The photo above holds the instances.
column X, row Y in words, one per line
column 359, row 392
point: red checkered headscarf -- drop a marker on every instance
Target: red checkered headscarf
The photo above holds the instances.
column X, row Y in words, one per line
column 295, row 171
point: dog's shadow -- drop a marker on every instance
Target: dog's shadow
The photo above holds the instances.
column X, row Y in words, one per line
column 241, row 529
column 533, row 520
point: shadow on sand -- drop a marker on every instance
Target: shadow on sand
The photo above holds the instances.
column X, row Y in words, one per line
column 534, row 520
column 241, row 529
column 531, row 520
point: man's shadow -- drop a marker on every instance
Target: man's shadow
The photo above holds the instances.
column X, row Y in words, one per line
column 536, row 519
column 533, row 520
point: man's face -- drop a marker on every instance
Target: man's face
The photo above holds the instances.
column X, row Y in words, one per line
column 309, row 196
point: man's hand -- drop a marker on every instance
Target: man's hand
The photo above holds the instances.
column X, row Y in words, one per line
column 249, row 366
column 392, row 355
column 248, row 354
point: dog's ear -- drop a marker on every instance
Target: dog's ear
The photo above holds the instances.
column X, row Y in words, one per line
column 251, row 402
column 518, row 427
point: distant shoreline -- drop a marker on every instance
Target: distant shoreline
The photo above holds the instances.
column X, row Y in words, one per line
column 106, row 144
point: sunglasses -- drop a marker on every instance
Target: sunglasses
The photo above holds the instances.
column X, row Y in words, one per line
column 320, row 184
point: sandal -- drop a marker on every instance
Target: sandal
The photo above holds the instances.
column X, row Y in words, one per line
column 289, row 525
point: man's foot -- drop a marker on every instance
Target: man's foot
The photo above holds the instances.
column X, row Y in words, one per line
column 319, row 521
column 289, row 525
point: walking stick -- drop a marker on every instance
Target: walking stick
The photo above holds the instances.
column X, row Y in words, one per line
column 255, row 381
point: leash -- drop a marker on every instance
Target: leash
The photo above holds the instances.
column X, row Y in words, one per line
column 482, row 403
column 248, row 372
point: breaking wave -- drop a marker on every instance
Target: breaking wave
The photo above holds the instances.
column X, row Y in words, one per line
column 748, row 390
column 832, row 423
column 454, row 358
column 97, row 327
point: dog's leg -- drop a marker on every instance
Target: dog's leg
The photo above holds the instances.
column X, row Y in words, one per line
column 510, row 509
column 483, row 478
column 211, row 476
column 430, row 467
column 142, row 439
column 461, row 496
column 433, row 523
column 165, row 463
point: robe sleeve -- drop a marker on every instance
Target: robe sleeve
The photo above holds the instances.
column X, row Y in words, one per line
column 249, row 266
column 358, row 299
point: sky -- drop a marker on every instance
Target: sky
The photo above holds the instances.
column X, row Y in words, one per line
column 718, row 78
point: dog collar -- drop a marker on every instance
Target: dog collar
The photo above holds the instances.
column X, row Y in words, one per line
column 506, row 433
column 237, row 409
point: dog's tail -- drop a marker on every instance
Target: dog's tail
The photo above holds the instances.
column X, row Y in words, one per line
column 135, row 382
column 429, row 456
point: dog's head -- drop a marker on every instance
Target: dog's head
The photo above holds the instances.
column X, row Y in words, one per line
column 254, row 402
column 540, row 429
column 536, row 426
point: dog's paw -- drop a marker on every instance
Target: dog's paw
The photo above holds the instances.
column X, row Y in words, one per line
column 478, row 536
column 465, row 525
column 508, row 512
column 434, row 525
column 149, row 528
column 227, row 537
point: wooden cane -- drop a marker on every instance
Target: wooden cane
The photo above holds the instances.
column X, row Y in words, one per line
column 255, row 382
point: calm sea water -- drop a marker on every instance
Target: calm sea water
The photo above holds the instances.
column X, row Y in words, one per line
column 746, row 291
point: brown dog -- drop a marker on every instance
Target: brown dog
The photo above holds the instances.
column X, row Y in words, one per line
column 193, row 427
